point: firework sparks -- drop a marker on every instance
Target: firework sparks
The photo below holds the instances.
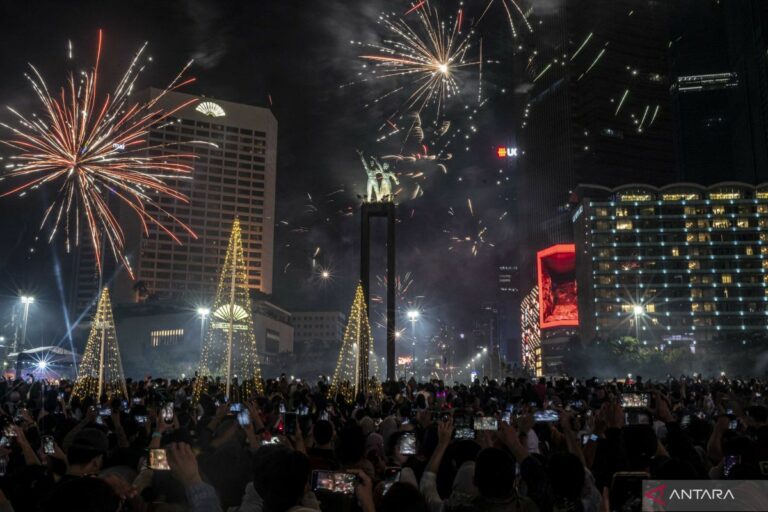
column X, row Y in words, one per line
column 428, row 53
column 93, row 149
column 509, row 7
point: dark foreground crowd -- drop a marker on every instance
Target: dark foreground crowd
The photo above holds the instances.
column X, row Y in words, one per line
column 517, row 445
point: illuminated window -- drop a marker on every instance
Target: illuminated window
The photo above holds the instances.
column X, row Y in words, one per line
column 696, row 293
column 765, row 263
column 703, row 237
column 709, row 307
column 684, row 196
column 762, row 208
column 602, row 212
column 689, row 224
column 650, row 308
column 621, row 212
column 693, row 265
column 727, row 278
column 762, row 194
column 166, row 337
column 690, row 237
column 623, row 224
column 742, row 223
column 627, row 308
column 675, row 251
column 690, row 210
column 718, row 210
column 749, row 251
column 721, row 223
column 695, row 307
column 635, row 197
column 724, row 196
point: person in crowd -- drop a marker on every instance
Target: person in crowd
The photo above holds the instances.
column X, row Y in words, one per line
column 521, row 444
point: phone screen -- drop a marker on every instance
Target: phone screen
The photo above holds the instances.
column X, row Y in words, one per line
column 141, row 420
column 335, row 482
column 235, row 408
column 486, row 423
column 636, row 418
column 464, row 433
column 407, row 444
column 728, row 463
column 244, row 418
column 105, row 412
column 548, row 416
column 635, row 400
column 733, row 425
column 158, row 460
column 48, row 446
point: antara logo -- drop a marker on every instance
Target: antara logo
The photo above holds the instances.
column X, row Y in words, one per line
column 702, row 494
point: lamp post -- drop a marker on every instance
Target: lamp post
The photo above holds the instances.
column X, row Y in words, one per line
column 413, row 317
column 26, row 301
column 203, row 314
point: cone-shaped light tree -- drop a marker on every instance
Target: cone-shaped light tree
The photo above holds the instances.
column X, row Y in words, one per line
column 351, row 375
column 229, row 351
column 101, row 370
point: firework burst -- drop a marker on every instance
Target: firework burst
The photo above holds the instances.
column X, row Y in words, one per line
column 92, row 148
column 422, row 59
column 510, row 8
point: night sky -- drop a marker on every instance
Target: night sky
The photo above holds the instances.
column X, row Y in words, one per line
column 299, row 53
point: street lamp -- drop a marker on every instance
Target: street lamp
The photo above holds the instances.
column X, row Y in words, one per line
column 26, row 301
column 413, row 316
column 203, row 314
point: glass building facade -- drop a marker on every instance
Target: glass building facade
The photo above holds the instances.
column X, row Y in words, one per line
column 678, row 261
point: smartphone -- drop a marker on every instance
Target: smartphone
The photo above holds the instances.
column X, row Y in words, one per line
column 5, row 442
column 271, row 440
column 407, row 444
column 728, row 463
column 733, row 425
column 391, row 475
column 8, row 431
column 158, row 460
column 105, row 412
column 61, row 395
column 282, row 408
column 486, row 423
column 244, row 418
column 48, row 446
column 685, row 421
column 136, row 401
column 289, row 423
column 464, row 433
column 548, row 416
column 124, row 404
column 236, row 408
column 334, row 482
column 167, row 413
column 99, row 421
column 587, row 438
column 324, row 416
column 506, row 417
column 141, row 419
column 635, row 400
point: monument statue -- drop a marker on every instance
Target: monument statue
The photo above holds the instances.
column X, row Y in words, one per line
column 379, row 188
column 385, row 188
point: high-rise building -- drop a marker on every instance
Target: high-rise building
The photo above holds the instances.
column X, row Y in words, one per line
column 598, row 112
column 233, row 176
column 681, row 262
column 720, row 90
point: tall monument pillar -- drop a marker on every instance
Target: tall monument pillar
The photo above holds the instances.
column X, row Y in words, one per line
column 373, row 210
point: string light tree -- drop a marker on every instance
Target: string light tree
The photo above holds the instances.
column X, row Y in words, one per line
column 101, row 369
column 229, row 349
column 353, row 367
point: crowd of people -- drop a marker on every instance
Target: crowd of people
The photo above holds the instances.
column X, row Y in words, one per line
column 522, row 444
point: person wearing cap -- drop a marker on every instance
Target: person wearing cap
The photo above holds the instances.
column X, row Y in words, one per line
column 86, row 453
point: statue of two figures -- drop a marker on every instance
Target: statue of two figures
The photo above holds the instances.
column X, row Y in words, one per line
column 380, row 178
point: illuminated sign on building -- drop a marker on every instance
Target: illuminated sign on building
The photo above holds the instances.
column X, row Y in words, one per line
column 506, row 152
column 558, row 304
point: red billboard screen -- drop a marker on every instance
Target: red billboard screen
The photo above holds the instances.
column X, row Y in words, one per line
column 558, row 305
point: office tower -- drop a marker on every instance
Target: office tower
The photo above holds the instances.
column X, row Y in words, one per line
column 598, row 112
column 235, row 148
column 681, row 262
column 720, row 90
